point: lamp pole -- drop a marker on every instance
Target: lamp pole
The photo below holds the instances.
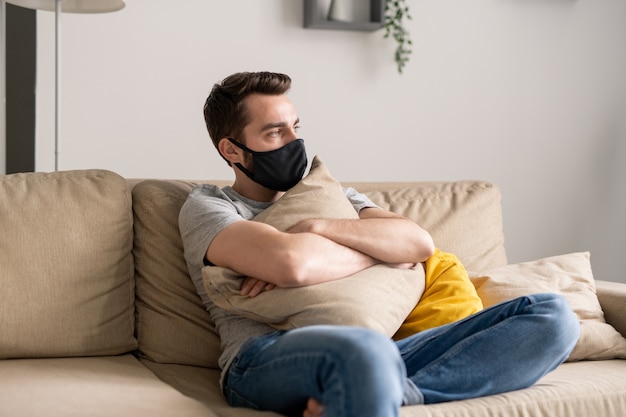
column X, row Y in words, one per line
column 57, row 80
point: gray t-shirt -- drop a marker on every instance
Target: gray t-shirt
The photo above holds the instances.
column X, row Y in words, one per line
column 207, row 211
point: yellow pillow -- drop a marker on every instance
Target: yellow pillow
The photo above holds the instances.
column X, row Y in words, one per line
column 449, row 296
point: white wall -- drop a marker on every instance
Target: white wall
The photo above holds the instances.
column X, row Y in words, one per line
column 529, row 94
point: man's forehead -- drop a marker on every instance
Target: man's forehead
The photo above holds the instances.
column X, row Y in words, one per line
column 267, row 109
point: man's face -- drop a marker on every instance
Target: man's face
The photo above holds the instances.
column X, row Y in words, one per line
column 274, row 122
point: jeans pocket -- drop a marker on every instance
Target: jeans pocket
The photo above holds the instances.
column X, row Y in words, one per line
column 237, row 400
column 243, row 362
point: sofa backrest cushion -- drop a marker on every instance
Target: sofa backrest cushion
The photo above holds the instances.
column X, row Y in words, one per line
column 66, row 265
column 172, row 325
column 464, row 217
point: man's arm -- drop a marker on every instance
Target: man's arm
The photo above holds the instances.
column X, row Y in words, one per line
column 381, row 234
column 262, row 252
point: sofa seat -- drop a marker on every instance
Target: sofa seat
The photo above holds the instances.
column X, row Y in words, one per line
column 576, row 389
column 117, row 386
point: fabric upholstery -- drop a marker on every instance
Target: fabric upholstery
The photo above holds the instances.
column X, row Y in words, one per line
column 581, row 389
column 67, row 268
column 103, row 386
column 464, row 217
column 172, row 324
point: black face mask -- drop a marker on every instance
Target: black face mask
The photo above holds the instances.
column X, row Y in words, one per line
column 279, row 169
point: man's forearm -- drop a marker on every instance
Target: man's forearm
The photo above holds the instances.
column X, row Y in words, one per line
column 283, row 259
column 328, row 261
column 389, row 240
column 317, row 259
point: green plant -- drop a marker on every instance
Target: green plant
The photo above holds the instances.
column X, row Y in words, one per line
column 395, row 13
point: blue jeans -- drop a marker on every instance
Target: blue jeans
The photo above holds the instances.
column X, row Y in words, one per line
column 354, row 371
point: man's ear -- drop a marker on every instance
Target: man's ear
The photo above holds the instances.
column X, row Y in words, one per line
column 229, row 151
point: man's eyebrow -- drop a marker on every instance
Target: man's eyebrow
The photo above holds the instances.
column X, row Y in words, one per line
column 273, row 125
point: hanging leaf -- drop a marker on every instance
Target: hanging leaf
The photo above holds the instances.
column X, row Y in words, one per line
column 395, row 13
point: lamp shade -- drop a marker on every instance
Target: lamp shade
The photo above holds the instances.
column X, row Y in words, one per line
column 72, row 6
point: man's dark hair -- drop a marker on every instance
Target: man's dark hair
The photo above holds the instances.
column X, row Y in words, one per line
column 225, row 112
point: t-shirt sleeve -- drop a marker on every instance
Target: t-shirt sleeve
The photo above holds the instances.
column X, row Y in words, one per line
column 201, row 218
column 359, row 200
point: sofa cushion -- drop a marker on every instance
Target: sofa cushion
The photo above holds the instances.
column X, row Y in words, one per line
column 103, row 386
column 67, row 268
column 379, row 297
column 464, row 217
column 581, row 389
column 172, row 324
column 569, row 275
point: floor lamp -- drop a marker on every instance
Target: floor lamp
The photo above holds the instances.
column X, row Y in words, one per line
column 58, row 6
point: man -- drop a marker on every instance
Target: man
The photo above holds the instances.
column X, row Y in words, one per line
column 338, row 370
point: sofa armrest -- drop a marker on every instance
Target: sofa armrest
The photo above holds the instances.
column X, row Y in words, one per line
column 612, row 297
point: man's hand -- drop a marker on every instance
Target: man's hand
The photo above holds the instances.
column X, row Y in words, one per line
column 304, row 226
column 405, row 265
column 252, row 287
column 313, row 409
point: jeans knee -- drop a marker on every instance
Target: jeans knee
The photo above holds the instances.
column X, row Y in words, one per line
column 370, row 363
column 371, row 349
column 560, row 318
column 374, row 353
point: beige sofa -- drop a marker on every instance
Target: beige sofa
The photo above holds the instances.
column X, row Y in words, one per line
column 99, row 317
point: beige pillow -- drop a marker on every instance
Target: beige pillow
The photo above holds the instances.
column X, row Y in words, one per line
column 379, row 297
column 569, row 275
column 66, row 268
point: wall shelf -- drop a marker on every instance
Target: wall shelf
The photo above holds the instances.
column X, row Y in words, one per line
column 316, row 17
